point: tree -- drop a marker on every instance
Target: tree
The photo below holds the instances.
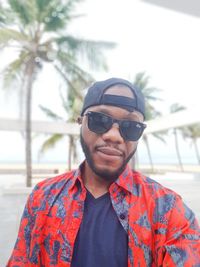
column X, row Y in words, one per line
column 142, row 83
column 192, row 132
column 176, row 108
column 36, row 29
column 72, row 105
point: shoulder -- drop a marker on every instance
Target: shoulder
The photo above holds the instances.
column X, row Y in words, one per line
column 55, row 182
column 161, row 200
column 158, row 198
column 151, row 187
column 48, row 189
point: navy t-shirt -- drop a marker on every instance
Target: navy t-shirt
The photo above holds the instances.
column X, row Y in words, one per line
column 101, row 240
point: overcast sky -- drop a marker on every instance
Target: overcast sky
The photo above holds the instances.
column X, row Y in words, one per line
column 162, row 42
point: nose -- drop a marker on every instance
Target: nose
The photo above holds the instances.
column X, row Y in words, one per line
column 113, row 135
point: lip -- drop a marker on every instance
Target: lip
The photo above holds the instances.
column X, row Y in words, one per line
column 110, row 151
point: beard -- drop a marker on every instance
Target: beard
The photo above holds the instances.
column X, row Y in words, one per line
column 104, row 174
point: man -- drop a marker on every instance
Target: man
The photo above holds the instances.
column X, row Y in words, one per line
column 104, row 214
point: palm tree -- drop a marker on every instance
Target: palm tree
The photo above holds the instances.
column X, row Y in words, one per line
column 193, row 132
column 176, row 108
column 36, row 30
column 142, row 81
column 72, row 105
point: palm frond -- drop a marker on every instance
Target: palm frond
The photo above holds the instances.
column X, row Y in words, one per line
column 70, row 102
column 65, row 100
column 68, row 81
column 74, row 43
column 50, row 113
column 90, row 51
column 8, row 35
column 51, row 142
column 57, row 14
column 13, row 71
column 141, row 80
column 3, row 15
column 70, row 66
column 43, row 5
column 159, row 135
column 150, row 92
column 24, row 10
column 176, row 107
column 191, row 131
column 71, row 72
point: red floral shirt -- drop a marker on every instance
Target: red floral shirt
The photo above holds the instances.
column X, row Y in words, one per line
column 161, row 230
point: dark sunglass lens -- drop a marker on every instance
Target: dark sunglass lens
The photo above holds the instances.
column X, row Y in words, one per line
column 98, row 122
column 131, row 130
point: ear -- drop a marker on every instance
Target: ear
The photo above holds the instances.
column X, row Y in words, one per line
column 79, row 120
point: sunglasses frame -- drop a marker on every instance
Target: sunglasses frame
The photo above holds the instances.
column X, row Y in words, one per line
column 119, row 122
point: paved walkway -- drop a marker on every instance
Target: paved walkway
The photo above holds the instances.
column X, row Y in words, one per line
column 13, row 196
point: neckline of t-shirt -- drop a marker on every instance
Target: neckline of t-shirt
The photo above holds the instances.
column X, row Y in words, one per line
column 105, row 195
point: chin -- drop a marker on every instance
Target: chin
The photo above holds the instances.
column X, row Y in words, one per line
column 107, row 173
column 103, row 166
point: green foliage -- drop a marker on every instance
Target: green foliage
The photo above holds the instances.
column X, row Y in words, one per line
column 24, row 10
column 51, row 142
column 176, row 107
column 37, row 31
column 8, row 36
column 29, row 27
column 43, row 4
column 50, row 113
column 86, row 49
column 142, row 83
column 191, row 131
column 55, row 14
column 14, row 71
column 2, row 15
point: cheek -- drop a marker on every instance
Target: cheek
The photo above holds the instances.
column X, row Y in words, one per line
column 88, row 136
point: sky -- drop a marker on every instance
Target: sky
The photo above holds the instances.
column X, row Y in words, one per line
column 163, row 43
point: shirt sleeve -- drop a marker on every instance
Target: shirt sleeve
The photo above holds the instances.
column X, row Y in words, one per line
column 20, row 253
column 182, row 245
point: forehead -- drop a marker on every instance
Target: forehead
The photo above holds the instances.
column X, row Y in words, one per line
column 121, row 90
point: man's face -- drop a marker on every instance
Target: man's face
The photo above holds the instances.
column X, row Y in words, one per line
column 107, row 154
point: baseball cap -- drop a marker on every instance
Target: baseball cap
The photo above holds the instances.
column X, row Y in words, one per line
column 96, row 96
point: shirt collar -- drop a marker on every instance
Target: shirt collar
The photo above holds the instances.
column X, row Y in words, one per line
column 125, row 180
column 76, row 176
column 128, row 179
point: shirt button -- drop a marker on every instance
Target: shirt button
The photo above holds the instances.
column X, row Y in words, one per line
column 122, row 216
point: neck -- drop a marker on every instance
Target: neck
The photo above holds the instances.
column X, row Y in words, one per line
column 96, row 185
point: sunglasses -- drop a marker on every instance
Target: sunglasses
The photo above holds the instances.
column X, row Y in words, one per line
column 100, row 123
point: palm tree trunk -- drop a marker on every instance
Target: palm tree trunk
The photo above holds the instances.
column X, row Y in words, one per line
column 177, row 150
column 149, row 152
column 196, row 149
column 28, row 146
